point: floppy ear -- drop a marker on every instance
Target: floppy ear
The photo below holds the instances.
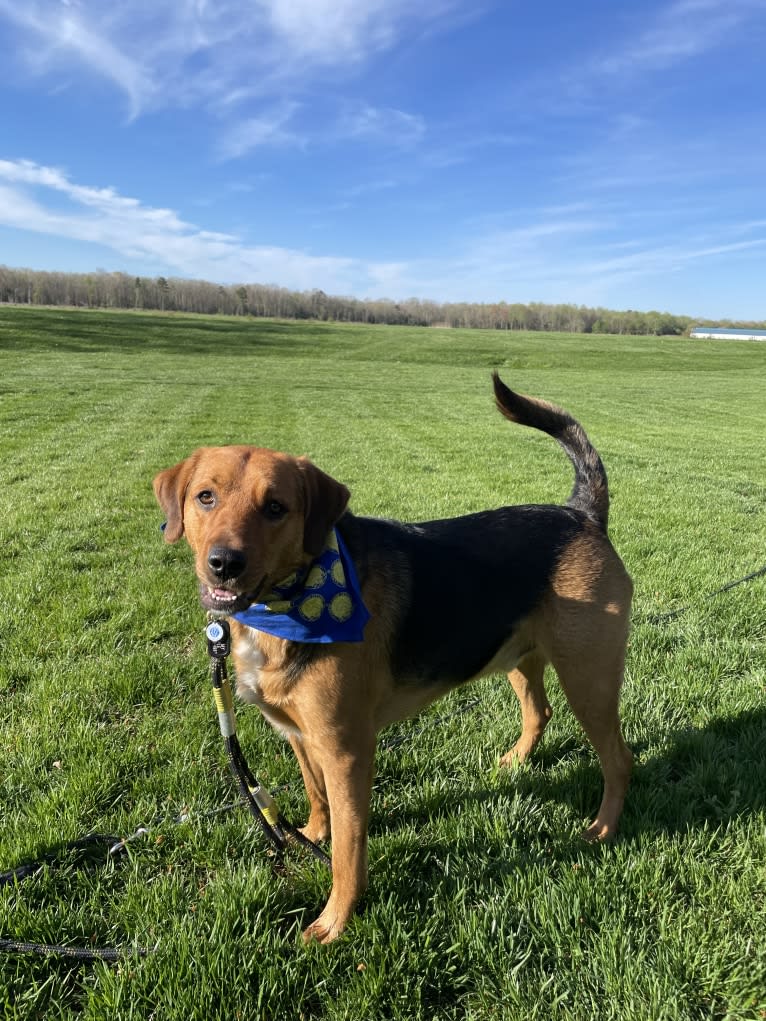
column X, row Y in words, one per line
column 325, row 501
column 170, row 490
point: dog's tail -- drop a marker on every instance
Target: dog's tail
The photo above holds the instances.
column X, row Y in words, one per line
column 591, row 491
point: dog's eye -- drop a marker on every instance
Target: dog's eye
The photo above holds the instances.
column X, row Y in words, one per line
column 206, row 499
column 274, row 510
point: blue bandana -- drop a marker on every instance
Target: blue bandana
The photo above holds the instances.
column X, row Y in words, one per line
column 321, row 603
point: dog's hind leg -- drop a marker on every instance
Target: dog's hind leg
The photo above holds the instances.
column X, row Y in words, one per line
column 527, row 682
column 583, row 629
column 592, row 688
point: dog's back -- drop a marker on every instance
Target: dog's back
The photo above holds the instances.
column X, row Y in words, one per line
column 459, row 586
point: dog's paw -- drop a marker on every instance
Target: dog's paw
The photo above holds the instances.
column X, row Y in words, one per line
column 518, row 754
column 316, row 831
column 598, row 833
column 324, row 930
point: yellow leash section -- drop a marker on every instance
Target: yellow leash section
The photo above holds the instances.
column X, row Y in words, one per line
column 225, row 706
column 224, row 703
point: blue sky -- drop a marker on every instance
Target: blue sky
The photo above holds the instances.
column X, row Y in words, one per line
column 601, row 152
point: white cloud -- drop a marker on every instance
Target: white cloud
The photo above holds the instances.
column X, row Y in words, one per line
column 639, row 42
column 563, row 259
column 55, row 35
column 251, row 66
column 396, row 127
column 243, row 136
column 333, row 30
column 105, row 201
column 173, row 52
column 31, row 199
column 751, row 225
column 684, row 29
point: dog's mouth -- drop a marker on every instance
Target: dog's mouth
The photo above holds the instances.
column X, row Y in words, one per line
column 225, row 601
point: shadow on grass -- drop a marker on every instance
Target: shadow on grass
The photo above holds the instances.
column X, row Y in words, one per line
column 703, row 776
column 96, row 332
column 707, row 775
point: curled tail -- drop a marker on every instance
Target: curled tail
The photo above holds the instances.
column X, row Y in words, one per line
column 591, row 491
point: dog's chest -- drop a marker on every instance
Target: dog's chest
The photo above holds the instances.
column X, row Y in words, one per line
column 257, row 681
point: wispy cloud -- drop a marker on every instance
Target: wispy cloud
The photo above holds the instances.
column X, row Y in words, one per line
column 355, row 123
column 250, row 67
column 642, row 42
column 369, row 187
column 270, row 129
column 658, row 259
column 44, row 200
column 567, row 258
column 329, row 31
column 56, row 35
column 397, row 127
column 684, row 29
column 174, row 51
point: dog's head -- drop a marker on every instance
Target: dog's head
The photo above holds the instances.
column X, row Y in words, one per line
column 252, row 516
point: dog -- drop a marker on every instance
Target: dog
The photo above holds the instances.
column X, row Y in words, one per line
column 429, row 606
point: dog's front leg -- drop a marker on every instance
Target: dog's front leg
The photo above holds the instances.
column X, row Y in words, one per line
column 348, row 769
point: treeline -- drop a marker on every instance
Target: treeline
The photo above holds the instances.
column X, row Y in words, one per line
column 170, row 294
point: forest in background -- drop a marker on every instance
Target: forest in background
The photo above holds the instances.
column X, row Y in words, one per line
column 103, row 289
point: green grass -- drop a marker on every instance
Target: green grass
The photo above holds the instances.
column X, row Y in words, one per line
column 483, row 902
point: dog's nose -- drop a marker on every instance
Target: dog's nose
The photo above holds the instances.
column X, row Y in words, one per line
column 226, row 563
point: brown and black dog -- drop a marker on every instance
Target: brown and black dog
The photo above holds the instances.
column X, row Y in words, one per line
column 449, row 601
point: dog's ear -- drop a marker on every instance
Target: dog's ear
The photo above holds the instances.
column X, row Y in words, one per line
column 170, row 490
column 324, row 502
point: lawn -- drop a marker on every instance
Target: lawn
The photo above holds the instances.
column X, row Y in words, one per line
column 484, row 903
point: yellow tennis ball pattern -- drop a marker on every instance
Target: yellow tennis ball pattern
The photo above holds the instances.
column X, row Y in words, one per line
column 341, row 606
column 313, row 604
column 311, row 607
column 279, row 606
column 317, row 577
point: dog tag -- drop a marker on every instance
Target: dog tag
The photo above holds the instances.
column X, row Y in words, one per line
column 218, row 639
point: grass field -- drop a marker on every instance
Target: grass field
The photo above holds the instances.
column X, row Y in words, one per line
column 483, row 902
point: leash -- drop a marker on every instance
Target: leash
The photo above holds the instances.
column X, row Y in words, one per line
column 115, row 846
column 660, row 618
column 260, row 802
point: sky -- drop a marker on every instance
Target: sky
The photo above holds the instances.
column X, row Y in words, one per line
column 602, row 153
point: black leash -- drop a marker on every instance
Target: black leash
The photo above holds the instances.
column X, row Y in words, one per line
column 659, row 618
column 260, row 802
column 14, row 946
column 115, row 846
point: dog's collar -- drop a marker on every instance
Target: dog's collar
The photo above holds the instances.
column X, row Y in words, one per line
column 322, row 603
